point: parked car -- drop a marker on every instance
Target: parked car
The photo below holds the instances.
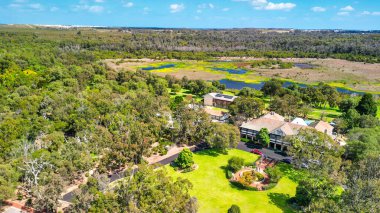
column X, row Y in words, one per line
column 257, row 152
column 287, row 160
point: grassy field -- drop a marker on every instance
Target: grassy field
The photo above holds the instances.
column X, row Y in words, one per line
column 338, row 73
column 184, row 93
column 329, row 114
column 215, row 193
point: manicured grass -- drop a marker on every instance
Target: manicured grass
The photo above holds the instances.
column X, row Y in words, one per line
column 183, row 93
column 330, row 114
column 215, row 193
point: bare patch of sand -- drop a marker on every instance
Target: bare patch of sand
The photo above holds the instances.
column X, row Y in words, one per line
column 193, row 75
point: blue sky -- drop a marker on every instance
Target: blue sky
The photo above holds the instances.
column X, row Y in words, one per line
column 303, row 14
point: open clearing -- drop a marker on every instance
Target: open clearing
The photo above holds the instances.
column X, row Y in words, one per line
column 215, row 193
column 356, row 76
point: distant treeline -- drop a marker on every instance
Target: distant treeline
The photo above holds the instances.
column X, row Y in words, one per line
column 197, row 44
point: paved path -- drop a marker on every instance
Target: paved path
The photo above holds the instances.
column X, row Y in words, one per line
column 13, row 210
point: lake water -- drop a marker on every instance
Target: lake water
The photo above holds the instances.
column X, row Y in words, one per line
column 159, row 67
column 231, row 71
column 304, row 66
column 230, row 84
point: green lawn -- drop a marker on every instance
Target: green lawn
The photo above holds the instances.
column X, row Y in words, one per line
column 183, row 93
column 330, row 114
column 216, row 194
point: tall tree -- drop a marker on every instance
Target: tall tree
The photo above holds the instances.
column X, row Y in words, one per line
column 223, row 136
column 263, row 137
column 272, row 88
column 363, row 192
column 288, row 105
column 367, row 105
column 244, row 108
column 317, row 152
column 146, row 190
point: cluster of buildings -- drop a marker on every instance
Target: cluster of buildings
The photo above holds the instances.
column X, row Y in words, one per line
column 279, row 128
column 276, row 124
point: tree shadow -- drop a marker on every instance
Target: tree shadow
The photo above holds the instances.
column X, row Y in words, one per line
column 211, row 152
column 281, row 201
column 293, row 174
column 225, row 170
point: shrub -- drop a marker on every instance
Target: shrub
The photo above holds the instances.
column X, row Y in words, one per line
column 235, row 163
column 189, row 169
column 234, row 209
column 258, row 176
column 185, row 159
column 241, row 186
column 245, row 140
column 247, row 178
column 229, row 174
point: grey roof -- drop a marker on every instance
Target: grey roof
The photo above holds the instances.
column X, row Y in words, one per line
column 223, row 97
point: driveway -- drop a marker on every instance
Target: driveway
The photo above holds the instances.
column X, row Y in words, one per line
column 116, row 176
column 276, row 155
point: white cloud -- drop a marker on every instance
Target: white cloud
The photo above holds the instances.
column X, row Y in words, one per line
column 347, row 8
column 259, row 4
column 367, row 13
column 343, row 13
column 279, row 6
column 128, row 4
column 90, row 8
column 266, row 5
column 146, row 10
column 206, row 6
column 36, row 6
column 318, row 9
column 24, row 6
column 99, row 1
column 96, row 9
column 226, row 9
column 15, row 5
column 175, row 8
column 53, row 9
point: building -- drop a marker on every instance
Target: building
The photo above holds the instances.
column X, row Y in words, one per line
column 323, row 127
column 218, row 100
column 299, row 121
column 217, row 115
column 278, row 128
